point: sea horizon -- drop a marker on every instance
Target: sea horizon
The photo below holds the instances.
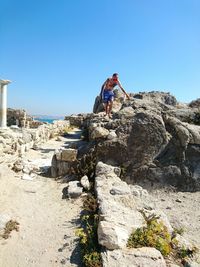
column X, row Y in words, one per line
column 47, row 118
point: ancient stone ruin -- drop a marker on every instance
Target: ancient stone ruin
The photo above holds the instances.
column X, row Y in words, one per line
column 152, row 137
column 152, row 141
column 3, row 103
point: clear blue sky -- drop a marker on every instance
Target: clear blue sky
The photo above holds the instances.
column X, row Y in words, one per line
column 58, row 53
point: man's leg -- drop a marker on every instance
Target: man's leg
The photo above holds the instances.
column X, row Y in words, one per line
column 106, row 107
column 110, row 108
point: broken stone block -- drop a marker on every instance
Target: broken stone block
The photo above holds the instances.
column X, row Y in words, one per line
column 112, row 236
column 74, row 189
column 69, row 154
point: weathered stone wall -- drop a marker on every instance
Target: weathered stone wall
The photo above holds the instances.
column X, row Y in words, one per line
column 76, row 120
column 15, row 140
column 20, row 118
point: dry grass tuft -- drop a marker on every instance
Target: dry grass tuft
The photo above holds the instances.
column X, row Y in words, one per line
column 10, row 226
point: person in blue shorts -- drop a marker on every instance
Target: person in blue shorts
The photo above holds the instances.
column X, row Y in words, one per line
column 107, row 94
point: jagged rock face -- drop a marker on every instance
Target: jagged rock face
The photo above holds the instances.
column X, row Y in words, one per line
column 184, row 114
column 195, row 103
column 139, row 141
column 155, row 99
column 146, row 139
column 98, row 105
column 182, row 153
column 152, row 137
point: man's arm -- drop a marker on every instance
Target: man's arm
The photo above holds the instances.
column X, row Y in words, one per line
column 123, row 90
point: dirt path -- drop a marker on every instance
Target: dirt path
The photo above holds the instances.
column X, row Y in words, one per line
column 47, row 223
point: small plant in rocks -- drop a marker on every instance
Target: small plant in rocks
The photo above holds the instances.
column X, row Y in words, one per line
column 86, row 165
column 156, row 235
column 90, row 247
column 179, row 231
column 90, row 203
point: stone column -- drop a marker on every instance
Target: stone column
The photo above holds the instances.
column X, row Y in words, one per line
column 3, row 103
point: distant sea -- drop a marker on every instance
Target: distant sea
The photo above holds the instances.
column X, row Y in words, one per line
column 49, row 120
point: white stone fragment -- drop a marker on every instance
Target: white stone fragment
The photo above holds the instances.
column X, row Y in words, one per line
column 74, row 189
column 112, row 236
column 85, row 182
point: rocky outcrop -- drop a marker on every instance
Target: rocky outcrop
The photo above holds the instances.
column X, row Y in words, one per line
column 122, row 209
column 195, row 103
column 152, row 137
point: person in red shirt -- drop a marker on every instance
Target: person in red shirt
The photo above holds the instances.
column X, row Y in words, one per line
column 107, row 94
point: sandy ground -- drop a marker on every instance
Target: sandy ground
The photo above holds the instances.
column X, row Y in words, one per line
column 47, row 223
column 182, row 209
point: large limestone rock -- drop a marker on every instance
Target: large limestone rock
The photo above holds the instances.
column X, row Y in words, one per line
column 99, row 132
column 151, row 136
column 139, row 141
column 111, row 235
column 154, row 138
column 117, row 208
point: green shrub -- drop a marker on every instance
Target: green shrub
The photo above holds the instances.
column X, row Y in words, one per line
column 185, row 253
column 86, row 164
column 90, row 203
column 155, row 234
column 90, row 247
column 93, row 259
